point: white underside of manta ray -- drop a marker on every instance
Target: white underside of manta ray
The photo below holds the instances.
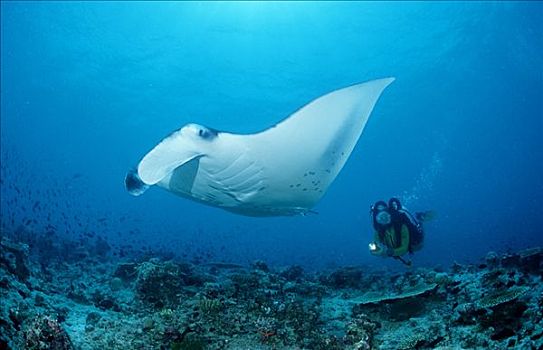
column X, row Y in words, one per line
column 283, row 170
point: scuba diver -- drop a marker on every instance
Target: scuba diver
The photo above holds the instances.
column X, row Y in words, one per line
column 397, row 231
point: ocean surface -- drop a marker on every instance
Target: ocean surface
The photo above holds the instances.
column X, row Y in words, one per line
column 88, row 88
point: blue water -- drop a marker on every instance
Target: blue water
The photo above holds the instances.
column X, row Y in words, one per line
column 88, row 88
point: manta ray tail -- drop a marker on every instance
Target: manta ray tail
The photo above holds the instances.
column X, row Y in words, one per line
column 133, row 183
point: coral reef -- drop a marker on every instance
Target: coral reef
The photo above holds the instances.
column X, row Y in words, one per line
column 96, row 302
column 501, row 297
column 158, row 283
column 45, row 332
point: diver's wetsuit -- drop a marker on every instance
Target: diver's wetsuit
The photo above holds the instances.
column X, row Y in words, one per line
column 403, row 234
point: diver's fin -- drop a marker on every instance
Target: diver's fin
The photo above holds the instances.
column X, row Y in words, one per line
column 407, row 263
column 424, row 216
column 133, row 183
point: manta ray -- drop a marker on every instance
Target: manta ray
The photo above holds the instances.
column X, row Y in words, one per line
column 283, row 170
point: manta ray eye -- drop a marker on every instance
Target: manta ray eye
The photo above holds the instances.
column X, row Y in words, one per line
column 206, row 133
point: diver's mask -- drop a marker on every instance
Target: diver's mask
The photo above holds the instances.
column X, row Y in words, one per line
column 383, row 218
